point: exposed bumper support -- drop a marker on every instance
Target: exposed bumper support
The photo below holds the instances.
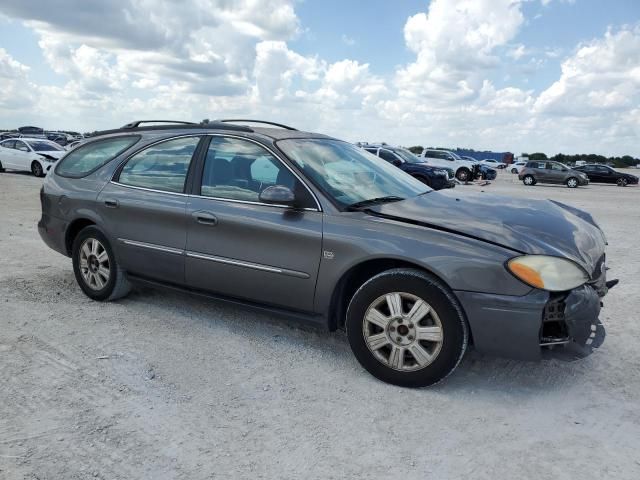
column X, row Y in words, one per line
column 535, row 325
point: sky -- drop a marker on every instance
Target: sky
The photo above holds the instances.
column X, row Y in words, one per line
column 557, row 76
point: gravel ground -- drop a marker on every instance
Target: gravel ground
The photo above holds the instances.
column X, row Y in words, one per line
column 162, row 385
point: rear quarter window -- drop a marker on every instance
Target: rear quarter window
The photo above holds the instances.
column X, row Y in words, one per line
column 86, row 159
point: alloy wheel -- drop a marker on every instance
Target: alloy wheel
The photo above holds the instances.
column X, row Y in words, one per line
column 95, row 266
column 528, row 180
column 36, row 169
column 572, row 183
column 402, row 331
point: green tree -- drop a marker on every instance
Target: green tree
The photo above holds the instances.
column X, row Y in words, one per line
column 537, row 156
column 417, row 149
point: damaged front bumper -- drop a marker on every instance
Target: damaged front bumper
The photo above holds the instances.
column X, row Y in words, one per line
column 537, row 325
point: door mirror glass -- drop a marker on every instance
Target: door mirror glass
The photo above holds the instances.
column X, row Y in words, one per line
column 277, row 195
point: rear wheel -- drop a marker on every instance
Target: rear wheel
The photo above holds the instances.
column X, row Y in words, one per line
column 1, row 168
column 95, row 267
column 514, row 170
column 36, row 169
column 405, row 327
column 572, row 182
column 529, row 180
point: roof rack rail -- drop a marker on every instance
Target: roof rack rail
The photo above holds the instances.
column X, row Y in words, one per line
column 246, row 120
column 137, row 123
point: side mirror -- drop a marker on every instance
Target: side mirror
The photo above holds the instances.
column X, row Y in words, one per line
column 397, row 162
column 277, row 195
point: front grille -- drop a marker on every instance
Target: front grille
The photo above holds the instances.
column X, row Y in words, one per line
column 554, row 328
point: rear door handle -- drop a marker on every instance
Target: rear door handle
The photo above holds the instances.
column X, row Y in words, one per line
column 205, row 218
column 112, row 203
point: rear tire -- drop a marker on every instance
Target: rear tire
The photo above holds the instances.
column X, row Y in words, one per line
column 572, row 182
column 37, row 169
column 1, row 168
column 95, row 266
column 406, row 327
column 528, row 180
column 514, row 170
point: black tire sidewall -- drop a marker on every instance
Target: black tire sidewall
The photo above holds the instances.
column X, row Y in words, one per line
column 533, row 180
column 441, row 300
column 33, row 168
column 465, row 172
column 107, row 290
column 569, row 180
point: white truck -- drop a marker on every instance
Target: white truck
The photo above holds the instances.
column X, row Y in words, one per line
column 465, row 170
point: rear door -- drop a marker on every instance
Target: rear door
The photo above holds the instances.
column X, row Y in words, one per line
column 8, row 154
column 556, row 173
column 23, row 156
column 144, row 209
column 238, row 246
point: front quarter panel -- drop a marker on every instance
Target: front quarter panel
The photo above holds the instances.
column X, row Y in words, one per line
column 462, row 263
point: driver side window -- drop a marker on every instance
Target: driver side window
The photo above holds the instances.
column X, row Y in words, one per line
column 237, row 169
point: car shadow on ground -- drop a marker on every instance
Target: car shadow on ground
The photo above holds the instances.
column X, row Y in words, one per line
column 476, row 372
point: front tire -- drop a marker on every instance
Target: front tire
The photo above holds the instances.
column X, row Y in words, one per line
column 572, row 182
column 528, row 180
column 463, row 174
column 406, row 327
column 622, row 182
column 95, row 267
column 424, row 180
column 37, row 169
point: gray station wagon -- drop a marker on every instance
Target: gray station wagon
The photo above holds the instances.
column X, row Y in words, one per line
column 547, row 171
column 318, row 229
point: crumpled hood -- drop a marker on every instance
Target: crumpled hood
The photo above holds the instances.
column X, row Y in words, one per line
column 524, row 225
column 57, row 154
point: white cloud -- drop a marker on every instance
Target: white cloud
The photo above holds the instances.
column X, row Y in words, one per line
column 347, row 40
column 197, row 59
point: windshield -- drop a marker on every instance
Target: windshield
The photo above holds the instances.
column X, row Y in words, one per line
column 348, row 174
column 41, row 146
column 407, row 156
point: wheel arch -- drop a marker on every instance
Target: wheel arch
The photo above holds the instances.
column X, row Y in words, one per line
column 354, row 277
column 73, row 230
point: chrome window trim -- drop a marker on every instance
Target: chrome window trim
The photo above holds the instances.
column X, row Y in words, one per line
column 232, row 200
column 251, row 265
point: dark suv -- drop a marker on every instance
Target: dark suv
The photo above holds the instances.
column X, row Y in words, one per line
column 606, row 174
column 436, row 177
column 317, row 229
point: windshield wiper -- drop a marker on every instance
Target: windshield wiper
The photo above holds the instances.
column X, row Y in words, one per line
column 373, row 201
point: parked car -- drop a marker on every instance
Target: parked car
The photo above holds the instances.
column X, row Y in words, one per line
column 604, row 174
column 546, row 171
column 29, row 154
column 487, row 173
column 5, row 135
column 465, row 170
column 517, row 166
column 317, row 229
column 490, row 162
column 435, row 177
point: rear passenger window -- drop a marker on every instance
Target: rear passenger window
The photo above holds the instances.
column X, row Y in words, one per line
column 87, row 158
column 163, row 166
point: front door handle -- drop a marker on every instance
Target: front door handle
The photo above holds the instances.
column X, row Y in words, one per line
column 205, row 218
column 112, row 203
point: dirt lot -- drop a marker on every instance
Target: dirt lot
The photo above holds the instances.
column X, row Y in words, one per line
column 161, row 385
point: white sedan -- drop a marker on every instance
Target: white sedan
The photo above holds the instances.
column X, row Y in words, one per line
column 33, row 155
column 516, row 167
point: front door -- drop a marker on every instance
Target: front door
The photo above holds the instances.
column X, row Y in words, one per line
column 240, row 247
column 144, row 208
